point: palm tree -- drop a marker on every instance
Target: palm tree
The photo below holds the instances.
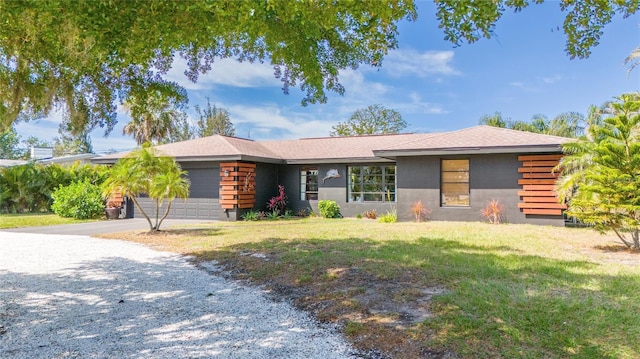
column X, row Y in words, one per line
column 154, row 112
column 633, row 59
column 143, row 172
column 168, row 184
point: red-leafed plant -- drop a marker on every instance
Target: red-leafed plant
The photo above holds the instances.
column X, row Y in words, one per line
column 494, row 212
column 278, row 203
column 420, row 212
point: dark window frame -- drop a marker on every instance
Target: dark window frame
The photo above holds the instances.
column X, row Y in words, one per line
column 443, row 183
column 307, row 185
column 358, row 193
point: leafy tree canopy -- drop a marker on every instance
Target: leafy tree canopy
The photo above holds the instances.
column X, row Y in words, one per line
column 69, row 144
column 86, row 55
column 601, row 172
column 470, row 20
column 374, row 119
column 182, row 130
column 567, row 124
column 214, row 121
column 9, row 144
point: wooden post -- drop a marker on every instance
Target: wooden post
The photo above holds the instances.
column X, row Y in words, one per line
column 237, row 185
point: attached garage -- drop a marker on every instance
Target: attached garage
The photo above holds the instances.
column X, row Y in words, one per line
column 203, row 200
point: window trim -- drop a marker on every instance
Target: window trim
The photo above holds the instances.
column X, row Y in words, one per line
column 304, row 192
column 384, row 176
column 443, row 182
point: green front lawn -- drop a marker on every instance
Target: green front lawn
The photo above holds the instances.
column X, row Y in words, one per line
column 31, row 220
column 478, row 290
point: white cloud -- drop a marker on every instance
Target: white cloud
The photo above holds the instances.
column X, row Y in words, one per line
column 115, row 141
column 359, row 93
column 417, row 106
column 421, row 64
column 228, row 72
column 45, row 128
column 551, row 79
column 268, row 121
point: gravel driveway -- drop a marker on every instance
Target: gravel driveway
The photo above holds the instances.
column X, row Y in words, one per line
column 65, row 296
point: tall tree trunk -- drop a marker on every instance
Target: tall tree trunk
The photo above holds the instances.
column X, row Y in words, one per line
column 166, row 213
column 146, row 216
column 157, row 227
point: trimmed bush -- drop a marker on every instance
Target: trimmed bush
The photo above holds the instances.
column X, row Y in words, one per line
column 79, row 200
column 329, row 209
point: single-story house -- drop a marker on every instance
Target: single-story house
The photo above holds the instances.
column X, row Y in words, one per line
column 11, row 163
column 454, row 174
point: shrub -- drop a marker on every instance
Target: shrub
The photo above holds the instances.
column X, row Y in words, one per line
column 273, row 215
column 329, row 209
column 420, row 212
column 493, row 211
column 251, row 216
column 79, row 200
column 389, row 217
column 372, row 214
column 278, row 203
column 359, row 216
column 303, row 212
column 28, row 188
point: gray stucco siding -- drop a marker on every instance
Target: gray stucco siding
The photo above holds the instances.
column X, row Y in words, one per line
column 493, row 176
column 335, row 189
column 268, row 177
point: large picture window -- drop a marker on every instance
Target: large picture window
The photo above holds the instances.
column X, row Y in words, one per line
column 372, row 184
column 455, row 183
column 309, row 183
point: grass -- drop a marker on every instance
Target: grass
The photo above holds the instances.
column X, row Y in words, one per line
column 32, row 220
column 411, row 289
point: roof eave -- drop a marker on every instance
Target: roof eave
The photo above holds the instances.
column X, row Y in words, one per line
column 309, row 161
column 204, row 159
column 468, row 151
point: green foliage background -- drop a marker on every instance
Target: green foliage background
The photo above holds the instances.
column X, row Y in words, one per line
column 28, row 188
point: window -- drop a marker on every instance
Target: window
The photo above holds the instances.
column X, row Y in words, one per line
column 372, row 184
column 308, row 183
column 455, row 183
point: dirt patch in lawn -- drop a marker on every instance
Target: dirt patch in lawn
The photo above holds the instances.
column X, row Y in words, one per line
column 380, row 317
column 381, row 287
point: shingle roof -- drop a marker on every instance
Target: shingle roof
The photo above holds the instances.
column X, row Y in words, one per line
column 478, row 139
column 336, row 148
column 210, row 148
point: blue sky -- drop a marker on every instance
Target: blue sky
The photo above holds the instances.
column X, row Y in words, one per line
column 520, row 72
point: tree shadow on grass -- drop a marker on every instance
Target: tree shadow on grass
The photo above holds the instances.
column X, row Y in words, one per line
column 480, row 301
